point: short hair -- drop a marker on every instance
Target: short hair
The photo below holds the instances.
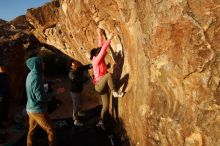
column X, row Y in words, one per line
column 74, row 61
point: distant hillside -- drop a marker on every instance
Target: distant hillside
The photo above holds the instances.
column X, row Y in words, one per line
column 2, row 22
column 20, row 22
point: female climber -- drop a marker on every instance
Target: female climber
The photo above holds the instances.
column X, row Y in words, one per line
column 102, row 79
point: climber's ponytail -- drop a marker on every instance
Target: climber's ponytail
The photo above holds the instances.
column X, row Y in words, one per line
column 94, row 52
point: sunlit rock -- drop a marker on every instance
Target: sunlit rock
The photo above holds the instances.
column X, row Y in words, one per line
column 165, row 55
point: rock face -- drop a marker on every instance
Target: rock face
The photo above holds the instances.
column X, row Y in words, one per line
column 15, row 36
column 165, row 54
column 12, row 54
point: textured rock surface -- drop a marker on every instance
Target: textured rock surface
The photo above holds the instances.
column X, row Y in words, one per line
column 15, row 36
column 165, row 54
column 12, row 53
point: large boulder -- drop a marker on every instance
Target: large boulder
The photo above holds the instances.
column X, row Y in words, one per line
column 165, row 54
column 15, row 37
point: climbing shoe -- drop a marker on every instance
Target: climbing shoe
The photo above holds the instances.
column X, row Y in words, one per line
column 78, row 123
column 116, row 94
column 101, row 125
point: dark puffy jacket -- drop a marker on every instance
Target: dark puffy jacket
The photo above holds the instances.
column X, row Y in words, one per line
column 77, row 78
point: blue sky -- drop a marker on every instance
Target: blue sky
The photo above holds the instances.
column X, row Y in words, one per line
column 10, row 9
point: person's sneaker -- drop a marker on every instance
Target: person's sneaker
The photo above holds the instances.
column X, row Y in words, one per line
column 101, row 125
column 78, row 123
column 116, row 94
column 81, row 114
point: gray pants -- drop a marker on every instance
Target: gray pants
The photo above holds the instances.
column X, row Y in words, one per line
column 102, row 88
column 76, row 102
